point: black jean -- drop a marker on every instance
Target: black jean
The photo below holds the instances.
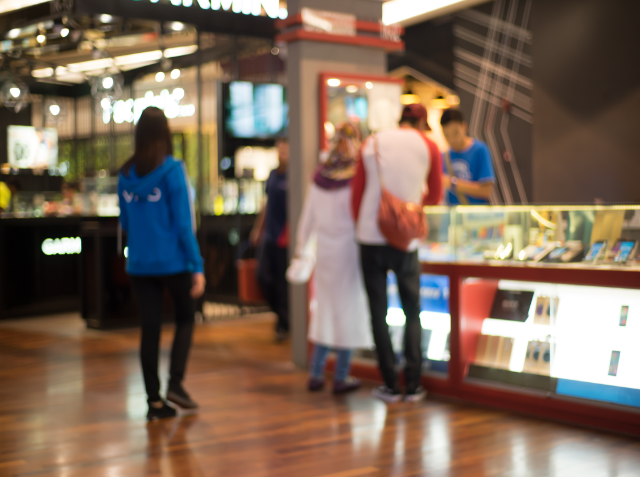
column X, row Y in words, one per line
column 376, row 262
column 149, row 293
column 272, row 272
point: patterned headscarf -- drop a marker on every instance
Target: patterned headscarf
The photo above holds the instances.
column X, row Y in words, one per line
column 340, row 167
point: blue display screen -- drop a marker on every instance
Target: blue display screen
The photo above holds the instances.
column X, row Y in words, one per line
column 255, row 110
column 624, row 251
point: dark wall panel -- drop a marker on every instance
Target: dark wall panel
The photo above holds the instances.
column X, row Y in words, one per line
column 586, row 143
column 492, row 70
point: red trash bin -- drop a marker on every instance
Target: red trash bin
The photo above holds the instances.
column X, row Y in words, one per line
column 248, row 288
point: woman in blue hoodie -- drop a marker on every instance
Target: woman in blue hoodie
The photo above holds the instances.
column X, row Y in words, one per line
column 157, row 213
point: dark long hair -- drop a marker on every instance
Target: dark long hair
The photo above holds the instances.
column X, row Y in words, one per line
column 153, row 142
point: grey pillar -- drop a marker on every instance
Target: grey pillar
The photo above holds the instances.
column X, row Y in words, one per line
column 306, row 60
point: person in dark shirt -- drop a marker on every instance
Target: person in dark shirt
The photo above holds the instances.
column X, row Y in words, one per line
column 273, row 227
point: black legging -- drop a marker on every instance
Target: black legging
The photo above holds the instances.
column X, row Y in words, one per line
column 149, row 292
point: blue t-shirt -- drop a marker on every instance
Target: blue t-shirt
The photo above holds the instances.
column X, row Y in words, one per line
column 473, row 164
column 276, row 219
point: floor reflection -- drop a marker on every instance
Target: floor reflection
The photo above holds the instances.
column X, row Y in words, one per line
column 166, row 433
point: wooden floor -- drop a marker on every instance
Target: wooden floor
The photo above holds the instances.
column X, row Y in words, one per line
column 72, row 404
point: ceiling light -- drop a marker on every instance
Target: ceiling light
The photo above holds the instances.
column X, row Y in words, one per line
column 13, row 34
column 408, row 12
column 138, row 58
column 369, row 85
column 177, row 26
column 439, row 102
column 42, row 73
column 283, row 14
column 107, row 82
column 54, row 109
column 175, row 74
column 41, row 38
column 61, row 70
column 333, row 82
column 105, row 103
column 15, row 92
column 160, row 77
column 64, row 32
column 352, row 88
column 106, row 18
column 91, row 65
column 409, row 98
column 180, row 51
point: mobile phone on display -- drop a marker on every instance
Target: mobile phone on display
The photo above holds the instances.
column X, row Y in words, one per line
column 624, row 315
column 557, row 254
column 624, row 252
column 613, row 364
column 614, row 250
column 596, row 251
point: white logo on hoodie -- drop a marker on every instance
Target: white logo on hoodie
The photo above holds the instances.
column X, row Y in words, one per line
column 156, row 196
column 128, row 197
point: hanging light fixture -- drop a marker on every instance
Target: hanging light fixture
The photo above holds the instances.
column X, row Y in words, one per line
column 14, row 93
column 439, row 102
column 409, row 98
column 55, row 112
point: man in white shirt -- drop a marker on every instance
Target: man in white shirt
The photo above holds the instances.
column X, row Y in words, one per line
column 411, row 168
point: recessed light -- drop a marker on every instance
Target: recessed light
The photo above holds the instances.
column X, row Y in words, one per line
column 333, row 82
column 160, row 77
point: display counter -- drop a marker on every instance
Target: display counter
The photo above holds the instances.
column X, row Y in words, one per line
column 39, row 266
column 553, row 335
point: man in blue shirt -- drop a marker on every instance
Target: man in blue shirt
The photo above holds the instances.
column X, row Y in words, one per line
column 469, row 175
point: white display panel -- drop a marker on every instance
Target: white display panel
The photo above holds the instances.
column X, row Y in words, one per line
column 32, row 148
column 587, row 330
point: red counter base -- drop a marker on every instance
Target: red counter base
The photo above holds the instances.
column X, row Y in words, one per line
column 466, row 322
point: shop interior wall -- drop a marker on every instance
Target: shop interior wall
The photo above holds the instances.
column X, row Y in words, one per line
column 306, row 60
column 492, row 74
column 587, row 101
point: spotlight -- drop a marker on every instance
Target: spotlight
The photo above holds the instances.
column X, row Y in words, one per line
column 175, row 74
column 15, row 92
column 333, row 82
column 160, row 77
column 41, row 38
column 54, row 109
column 107, row 82
column 13, row 34
column 64, row 32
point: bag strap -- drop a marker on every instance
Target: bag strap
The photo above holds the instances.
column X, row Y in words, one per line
column 377, row 156
column 462, row 199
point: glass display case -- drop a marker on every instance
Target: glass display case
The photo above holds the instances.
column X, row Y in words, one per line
column 543, row 306
column 574, row 236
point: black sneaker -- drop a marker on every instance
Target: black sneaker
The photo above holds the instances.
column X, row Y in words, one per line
column 387, row 395
column 179, row 396
column 160, row 412
column 418, row 395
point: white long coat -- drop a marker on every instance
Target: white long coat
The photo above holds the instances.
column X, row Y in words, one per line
column 342, row 318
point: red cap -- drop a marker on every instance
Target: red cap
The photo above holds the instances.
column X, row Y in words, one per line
column 415, row 111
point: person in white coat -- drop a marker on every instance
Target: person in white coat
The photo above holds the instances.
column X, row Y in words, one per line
column 341, row 321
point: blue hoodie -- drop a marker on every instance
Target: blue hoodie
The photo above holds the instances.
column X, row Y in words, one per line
column 157, row 213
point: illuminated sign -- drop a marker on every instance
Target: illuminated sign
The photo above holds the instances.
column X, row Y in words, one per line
column 248, row 7
column 131, row 110
column 62, row 246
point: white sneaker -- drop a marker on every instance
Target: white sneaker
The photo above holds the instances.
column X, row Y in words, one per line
column 387, row 395
column 418, row 395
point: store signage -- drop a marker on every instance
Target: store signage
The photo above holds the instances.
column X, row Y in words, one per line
column 62, row 246
column 329, row 22
column 130, row 110
column 248, row 7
